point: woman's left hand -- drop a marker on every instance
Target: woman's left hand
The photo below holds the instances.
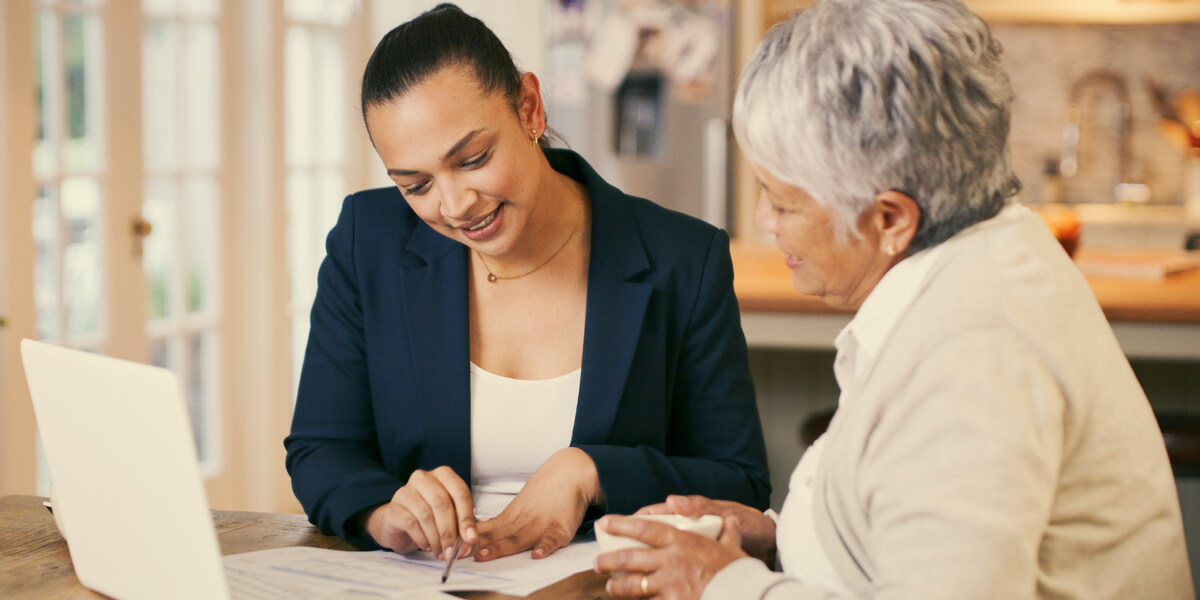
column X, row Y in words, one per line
column 547, row 512
column 677, row 565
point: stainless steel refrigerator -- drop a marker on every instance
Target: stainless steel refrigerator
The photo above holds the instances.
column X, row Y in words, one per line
column 656, row 134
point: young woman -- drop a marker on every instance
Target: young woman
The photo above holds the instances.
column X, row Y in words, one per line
column 504, row 333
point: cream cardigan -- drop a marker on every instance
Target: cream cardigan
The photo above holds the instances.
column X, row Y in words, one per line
column 1000, row 447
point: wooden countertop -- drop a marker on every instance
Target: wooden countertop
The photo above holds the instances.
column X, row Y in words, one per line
column 35, row 563
column 763, row 283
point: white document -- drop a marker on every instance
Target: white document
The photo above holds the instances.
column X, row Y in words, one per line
column 303, row 572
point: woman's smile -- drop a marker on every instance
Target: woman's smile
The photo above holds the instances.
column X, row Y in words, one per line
column 487, row 227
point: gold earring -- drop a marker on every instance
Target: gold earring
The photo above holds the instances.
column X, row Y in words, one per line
column 889, row 249
column 535, row 136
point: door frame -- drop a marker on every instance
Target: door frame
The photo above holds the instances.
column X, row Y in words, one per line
column 18, row 449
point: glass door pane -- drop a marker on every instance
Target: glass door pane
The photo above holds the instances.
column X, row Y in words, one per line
column 68, row 166
column 181, row 92
column 317, row 114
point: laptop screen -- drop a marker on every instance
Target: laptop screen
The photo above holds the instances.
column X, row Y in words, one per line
column 123, row 467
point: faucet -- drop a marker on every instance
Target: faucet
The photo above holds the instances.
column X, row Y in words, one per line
column 1069, row 162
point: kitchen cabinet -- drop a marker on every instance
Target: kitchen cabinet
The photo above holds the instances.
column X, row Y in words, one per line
column 1042, row 11
column 1087, row 11
column 774, row 11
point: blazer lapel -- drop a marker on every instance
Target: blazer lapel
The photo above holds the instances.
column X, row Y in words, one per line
column 436, row 312
column 616, row 307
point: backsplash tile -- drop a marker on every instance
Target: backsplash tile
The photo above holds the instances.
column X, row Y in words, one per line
column 1045, row 61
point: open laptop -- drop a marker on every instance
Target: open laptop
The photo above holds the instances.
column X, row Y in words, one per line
column 127, row 489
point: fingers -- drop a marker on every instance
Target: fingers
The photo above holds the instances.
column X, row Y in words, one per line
column 652, row 533
column 643, row 560
column 692, row 506
column 662, row 508
column 551, row 540
column 430, row 508
column 464, row 506
column 400, row 531
column 414, row 517
column 730, row 534
column 631, row 585
column 433, row 509
column 500, row 536
column 688, row 506
column 382, row 526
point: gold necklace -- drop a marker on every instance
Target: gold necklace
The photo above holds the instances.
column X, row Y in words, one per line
column 492, row 277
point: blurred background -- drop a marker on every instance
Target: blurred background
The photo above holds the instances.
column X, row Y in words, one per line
column 171, row 167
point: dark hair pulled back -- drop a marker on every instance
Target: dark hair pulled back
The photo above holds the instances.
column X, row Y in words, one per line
column 441, row 37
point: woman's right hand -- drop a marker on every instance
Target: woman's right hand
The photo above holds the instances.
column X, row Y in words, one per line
column 427, row 514
column 756, row 529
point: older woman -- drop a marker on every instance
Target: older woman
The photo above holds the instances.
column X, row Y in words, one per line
column 991, row 440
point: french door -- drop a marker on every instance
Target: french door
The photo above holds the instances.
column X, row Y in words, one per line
column 114, row 237
column 169, row 170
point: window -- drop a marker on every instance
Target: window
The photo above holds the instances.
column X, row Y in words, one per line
column 181, row 204
column 318, row 109
column 68, row 169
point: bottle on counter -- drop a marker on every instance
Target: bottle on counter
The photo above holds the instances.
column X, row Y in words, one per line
column 1062, row 221
column 1191, row 185
column 1052, row 182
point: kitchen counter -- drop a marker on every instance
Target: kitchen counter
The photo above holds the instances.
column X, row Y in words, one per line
column 1155, row 319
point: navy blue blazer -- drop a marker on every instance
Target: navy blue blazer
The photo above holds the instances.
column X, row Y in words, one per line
column 666, row 405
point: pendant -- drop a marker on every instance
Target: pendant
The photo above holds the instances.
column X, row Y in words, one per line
column 491, row 278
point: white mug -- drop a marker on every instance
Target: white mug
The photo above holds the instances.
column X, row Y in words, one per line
column 707, row 525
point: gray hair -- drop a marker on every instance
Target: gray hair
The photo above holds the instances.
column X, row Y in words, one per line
column 854, row 97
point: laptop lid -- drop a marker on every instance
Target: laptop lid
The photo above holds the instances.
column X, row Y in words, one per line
column 126, row 481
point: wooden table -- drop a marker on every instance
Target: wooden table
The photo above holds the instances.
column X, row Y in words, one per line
column 1154, row 319
column 35, row 564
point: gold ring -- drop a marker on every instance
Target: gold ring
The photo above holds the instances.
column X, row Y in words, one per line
column 645, row 585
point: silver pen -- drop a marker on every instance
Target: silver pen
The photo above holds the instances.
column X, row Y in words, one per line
column 453, row 557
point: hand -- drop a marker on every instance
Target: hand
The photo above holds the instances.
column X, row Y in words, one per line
column 756, row 529
column 547, row 511
column 678, row 564
column 427, row 514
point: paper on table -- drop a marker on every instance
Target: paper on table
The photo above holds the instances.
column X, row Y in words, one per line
column 323, row 573
column 529, row 574
column 302, row 572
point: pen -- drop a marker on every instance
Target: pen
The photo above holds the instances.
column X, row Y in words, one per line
column 453, row 557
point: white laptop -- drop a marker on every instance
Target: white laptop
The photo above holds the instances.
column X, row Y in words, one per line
column 127, row 490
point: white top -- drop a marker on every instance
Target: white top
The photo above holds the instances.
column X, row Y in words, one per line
column 516, row 424
column 800, row 554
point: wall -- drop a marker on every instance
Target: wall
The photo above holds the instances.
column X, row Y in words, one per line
column 1044, row 61
column 519, row 25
